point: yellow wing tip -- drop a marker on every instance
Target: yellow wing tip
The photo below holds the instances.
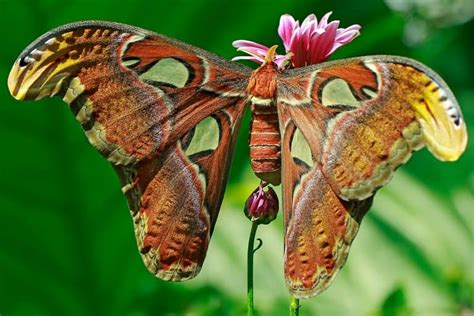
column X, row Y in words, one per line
column 16, row 92
column 448, row 148
column 35, row 81
column 442, row 122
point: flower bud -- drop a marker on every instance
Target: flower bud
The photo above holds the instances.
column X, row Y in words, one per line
column 262, row 206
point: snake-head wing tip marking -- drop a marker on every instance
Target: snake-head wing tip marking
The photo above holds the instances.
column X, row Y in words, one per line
column 12, row 82
column 436, row 109
column 42, row 67
column 444, row 128
column 446, row 146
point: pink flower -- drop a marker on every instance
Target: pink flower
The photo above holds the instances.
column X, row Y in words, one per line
column 305, row 44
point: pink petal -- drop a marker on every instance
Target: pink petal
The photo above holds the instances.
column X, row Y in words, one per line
column 315, row 53
column 280, row 60
column 323, row 43
column 354, row 27
column 310, row 19
column 252, row 58
column 324, row 20
column 307, row 29
column 294, row 34
column 346, row 35
column 329, row 38
column 248, row 45
column 298, row 49
column 258, row 51
column 285, row 29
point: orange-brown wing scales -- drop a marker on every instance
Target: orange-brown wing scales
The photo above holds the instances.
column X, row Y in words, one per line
column 292, row 170
column 362, row 81
column 319, row 225
column 367, row 117
column 173, row 209
column 215, row 165
column 311, row 122
column 365, row 144
column 319, row 234
column 350, row 134
column 359, row 119
column 172, row 224
column 363, row 149
column 117, row 111
column 134, row 92
column 125, row 126
column 164, row 113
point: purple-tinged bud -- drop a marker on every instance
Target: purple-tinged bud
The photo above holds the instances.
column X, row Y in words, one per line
column 262, row 206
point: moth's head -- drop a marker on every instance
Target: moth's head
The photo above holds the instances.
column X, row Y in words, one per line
column 262, row 83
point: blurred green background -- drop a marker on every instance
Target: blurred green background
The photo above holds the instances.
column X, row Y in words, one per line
column 67, row 245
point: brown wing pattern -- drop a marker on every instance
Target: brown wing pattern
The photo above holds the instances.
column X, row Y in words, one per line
column 175, row 200
column 363, row 117
column 346, row 126
column 320, row 226
column 143, row 101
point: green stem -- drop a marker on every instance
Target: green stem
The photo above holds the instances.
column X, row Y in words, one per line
column 250, row 252
column 294, row 306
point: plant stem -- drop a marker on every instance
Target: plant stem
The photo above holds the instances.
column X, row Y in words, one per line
column 250, row 252
column 294, row 306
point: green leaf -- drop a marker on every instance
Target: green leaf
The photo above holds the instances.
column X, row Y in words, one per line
column 396, row 304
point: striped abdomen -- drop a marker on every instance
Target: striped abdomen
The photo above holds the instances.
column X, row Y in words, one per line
column 265, row 143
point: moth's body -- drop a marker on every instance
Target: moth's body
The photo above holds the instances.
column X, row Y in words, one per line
column 166, row 114
column 264, row 140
